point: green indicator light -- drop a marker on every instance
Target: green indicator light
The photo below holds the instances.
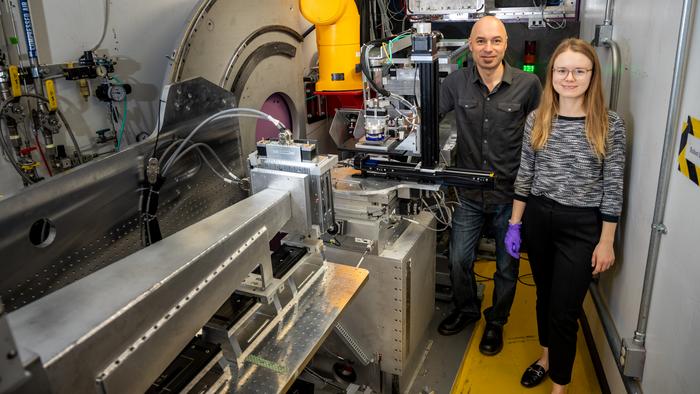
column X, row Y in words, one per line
column 530, row 68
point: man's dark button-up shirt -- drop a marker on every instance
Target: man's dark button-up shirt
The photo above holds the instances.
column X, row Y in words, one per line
column 490, row 124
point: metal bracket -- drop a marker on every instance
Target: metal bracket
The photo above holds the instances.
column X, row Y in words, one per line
column 660, row 227
column 602, row 33
column 536, row 22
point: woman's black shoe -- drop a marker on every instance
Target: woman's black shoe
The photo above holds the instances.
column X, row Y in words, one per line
column 534, row 375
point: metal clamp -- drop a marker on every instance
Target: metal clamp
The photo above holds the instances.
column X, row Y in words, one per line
column 660, row 227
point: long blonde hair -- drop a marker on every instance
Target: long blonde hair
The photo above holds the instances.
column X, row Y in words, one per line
column 594, row 103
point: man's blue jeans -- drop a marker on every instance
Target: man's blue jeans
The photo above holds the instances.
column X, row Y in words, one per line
column 468, row 220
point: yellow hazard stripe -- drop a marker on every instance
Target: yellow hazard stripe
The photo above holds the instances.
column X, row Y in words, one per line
column 683, row 163
column 685, row 166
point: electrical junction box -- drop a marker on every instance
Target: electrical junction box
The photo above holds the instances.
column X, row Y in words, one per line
column 632, row 358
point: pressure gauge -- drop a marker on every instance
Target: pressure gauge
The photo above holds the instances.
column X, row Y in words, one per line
column 117, row 93
column 109, row 92
column 101, row 71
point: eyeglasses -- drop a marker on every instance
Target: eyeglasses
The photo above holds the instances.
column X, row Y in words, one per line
column 578, row 73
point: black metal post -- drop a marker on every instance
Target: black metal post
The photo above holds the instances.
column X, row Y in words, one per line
column 429, row 95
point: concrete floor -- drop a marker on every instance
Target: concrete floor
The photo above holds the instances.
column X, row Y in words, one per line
column 444, row 357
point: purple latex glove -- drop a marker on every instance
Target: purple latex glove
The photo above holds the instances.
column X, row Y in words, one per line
column 512, row 240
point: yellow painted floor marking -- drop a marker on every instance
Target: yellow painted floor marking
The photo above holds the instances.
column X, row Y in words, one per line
column 481, row 374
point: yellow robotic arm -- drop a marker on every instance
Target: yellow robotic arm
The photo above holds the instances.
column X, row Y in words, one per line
column 338, row 40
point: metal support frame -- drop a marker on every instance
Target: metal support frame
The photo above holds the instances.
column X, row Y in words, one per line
column 429, row 86
column 122, row 329
column 448, row 11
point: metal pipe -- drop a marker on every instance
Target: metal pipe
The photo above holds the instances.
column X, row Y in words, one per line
column 632, row 386
column 667, row 159
column 31, row 46
column 616, row 73
column 609, row 6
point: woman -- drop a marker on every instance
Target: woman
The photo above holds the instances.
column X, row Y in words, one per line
column 568, row 194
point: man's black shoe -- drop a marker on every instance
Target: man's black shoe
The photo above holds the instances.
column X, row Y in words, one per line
column 534, row 375
column 456, row 322
column 492, row 341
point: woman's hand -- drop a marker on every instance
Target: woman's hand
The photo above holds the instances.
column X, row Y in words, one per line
column 603, row 257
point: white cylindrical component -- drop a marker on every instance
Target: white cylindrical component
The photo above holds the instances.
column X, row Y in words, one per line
column 422, row 27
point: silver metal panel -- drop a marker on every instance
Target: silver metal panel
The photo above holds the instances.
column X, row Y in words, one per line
column 148, row 355
column 273, row 366
column 339, row 130
column 82, row 328
column 443, row 6
column 228, row 42
column 296, row 184
column 12, row 373
column 284, row 152
column 391, row 313
column 450, row 10
column 95, row 207
column 320, row 203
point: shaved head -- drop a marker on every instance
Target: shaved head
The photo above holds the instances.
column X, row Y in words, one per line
column 489, row 22
column 488, row 43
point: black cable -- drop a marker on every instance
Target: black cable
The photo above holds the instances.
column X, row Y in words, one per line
column 520, row 279
column 324, row 380
column 364, row 62
column 485, row 278
column 113, row 118
column 155, row 145
column 364, row 66
column 6, row 148
column 308, row 31
column 60, row 115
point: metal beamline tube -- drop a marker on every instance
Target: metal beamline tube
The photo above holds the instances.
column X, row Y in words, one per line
column 616, row 73
column 613, row 337
column 672, row 120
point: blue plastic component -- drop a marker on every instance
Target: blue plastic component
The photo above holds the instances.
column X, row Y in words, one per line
column 28, row 28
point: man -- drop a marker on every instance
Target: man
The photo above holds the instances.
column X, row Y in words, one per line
column 491, row 100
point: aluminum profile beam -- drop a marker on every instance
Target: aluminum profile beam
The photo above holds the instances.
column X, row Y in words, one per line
column 117, row 329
